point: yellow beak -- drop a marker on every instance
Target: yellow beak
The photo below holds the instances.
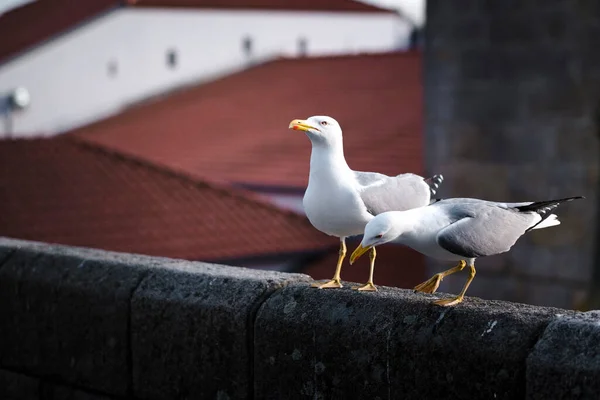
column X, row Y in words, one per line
column 360, row 250
column 301, row 125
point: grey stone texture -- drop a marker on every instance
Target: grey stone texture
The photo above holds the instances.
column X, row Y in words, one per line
column 512, row 93
column 126, row 325
column 565, row 362
column 82, row 324
column 192, row 328
column 391, row 344
column 50, row 391
column 67, row 316
column 15, row 386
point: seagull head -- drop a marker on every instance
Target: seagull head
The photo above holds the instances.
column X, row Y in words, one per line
column 382, row 229
column 320, row 129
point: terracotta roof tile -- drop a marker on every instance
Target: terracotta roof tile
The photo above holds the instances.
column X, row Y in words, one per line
column 301, row 5
column 32, row 23
column 235, row 129
column 61, row 191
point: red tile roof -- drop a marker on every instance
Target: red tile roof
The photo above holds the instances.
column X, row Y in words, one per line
column 34, row 22
column 61, row 191
column 235, row 129
column 299, row 5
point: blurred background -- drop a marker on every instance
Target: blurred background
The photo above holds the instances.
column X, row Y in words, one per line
column 160, row 127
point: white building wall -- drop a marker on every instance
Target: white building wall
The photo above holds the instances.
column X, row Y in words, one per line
column 94, row 71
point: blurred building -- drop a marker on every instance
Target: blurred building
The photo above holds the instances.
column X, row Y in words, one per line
column 513, row 104
column 234, row 129
column 85, row 60
column 211, row 172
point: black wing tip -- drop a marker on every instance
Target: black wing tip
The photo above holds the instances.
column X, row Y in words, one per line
column 564, row 200
column 547, row 205
column 434, row 183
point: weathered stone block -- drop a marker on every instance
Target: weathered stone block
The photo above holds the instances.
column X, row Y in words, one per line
column 527, row 181
column 528, row 145
column 565, row 362
column 15, row 386
column 485, row 181
column 50, row 391
column 391, row 344
column 5, row 253
column 536, row 261
column 564, row 98
column 474, row 32
column 192, row 329
column 441, row 114
column 578, row 146
column 66, row 316
column 498, row 108
column 559, row 263
column 468, row 140
column 514, row 29
column 501, row 8
column 439, row 11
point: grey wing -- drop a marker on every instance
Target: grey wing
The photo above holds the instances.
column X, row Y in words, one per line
column 381, row 193
column 483, row 229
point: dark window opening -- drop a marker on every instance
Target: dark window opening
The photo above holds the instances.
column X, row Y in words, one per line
column 415, row 39
column 112, row 68
column 247, row 46
column 302, row 46
column 171, row 58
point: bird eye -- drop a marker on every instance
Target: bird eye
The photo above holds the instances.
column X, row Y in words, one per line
column 323, row 123
column 379, row 236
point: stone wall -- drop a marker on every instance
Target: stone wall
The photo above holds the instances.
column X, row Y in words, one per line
column 512, row 105
column 84, row 324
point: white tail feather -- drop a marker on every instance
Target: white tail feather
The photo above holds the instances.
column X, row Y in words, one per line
column 552, row 220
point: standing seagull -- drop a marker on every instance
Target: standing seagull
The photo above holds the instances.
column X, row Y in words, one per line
column 339, row 201
column 458, row 230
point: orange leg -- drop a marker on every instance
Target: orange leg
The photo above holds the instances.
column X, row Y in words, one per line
column 432, row 284
column 336, row 282
column 370, row 286
column 454, row 301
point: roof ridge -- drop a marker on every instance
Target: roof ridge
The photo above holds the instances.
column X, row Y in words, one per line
column 397, row 82
column 184, row 88
column 6, row 57
column 242, row 194
column 88, row 10
column 345, row 56
column 251, row 5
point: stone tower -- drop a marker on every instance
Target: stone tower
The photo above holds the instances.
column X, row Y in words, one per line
column 512, row 106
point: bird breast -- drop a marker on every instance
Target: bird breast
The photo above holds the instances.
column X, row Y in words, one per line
column 335, row 209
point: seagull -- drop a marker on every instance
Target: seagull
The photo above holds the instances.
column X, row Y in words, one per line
column 339, row 201
column 460, row 229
